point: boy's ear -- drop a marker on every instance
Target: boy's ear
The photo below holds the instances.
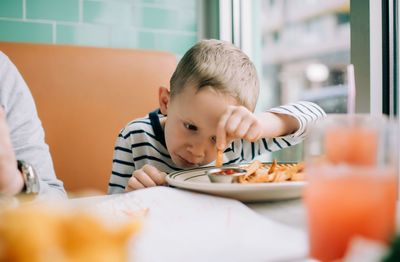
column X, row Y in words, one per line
column 163, row 99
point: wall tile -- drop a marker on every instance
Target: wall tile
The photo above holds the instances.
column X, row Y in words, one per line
column 107, row 12
column 169, row 25
column 175, row 43
column 60, row 10
column 87, row 35
column 171, row 3
column 147, row 40
column 25, row 32
column 124, row 37
column 11, row 8
column 159, row 18
column 188, row 20
column 172, row 42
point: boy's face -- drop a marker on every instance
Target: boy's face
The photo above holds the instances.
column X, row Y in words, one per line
column 191, row 124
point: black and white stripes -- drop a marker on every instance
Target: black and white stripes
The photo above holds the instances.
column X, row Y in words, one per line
column 305, row 112
column 142, row 142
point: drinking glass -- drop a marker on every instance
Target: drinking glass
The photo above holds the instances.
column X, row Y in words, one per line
column 351, row 167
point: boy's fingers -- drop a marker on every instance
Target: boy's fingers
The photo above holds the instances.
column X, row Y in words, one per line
column 253, row 133
column 221, row 131
column 144, row 178
column 243, row 128
column 233, row 124
column 163, row 175
column 133, row 184
column 157, row 176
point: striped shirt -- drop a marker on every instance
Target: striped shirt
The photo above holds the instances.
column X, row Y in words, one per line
column 142, row 142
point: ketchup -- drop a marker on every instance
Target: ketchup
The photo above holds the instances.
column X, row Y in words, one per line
column 226, row 172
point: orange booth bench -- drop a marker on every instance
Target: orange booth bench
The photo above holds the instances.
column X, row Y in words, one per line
column 84, row 96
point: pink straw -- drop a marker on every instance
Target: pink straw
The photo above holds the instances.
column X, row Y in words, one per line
column 351, row 85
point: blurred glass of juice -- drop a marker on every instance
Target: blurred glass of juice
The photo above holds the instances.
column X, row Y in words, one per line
column 352, row 184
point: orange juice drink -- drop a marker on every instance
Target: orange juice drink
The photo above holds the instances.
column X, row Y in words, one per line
column 344, row 202
column 355, row 145
column 351, row 166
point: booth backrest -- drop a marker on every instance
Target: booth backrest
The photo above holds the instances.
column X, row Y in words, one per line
column 84, row 96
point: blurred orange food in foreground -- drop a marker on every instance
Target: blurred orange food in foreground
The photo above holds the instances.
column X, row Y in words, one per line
column 33, row 233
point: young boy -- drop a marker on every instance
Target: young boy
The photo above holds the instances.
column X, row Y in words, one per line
column 213, row 93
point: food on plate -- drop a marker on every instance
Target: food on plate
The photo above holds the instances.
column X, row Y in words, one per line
column 229, row 171
column 40, row 233
column 224, row 174
column 258, row 172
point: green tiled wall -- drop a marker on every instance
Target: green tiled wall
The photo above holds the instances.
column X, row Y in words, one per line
column 54, row 10
column 10, row 8
column 169, row 25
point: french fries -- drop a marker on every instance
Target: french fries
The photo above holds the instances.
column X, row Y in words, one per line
column 270, row 173
column 218, row 161
column 38, row 233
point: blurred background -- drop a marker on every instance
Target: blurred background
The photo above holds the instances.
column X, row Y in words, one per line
column 305, row 51
column 300, row 47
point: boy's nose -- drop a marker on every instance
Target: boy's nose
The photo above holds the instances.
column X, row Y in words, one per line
column 196, row 152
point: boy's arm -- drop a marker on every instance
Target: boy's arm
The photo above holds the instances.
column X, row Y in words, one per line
column 127, row 175
column 302, row 112
column 285, row 126
column 287, row 123
column 122, row 165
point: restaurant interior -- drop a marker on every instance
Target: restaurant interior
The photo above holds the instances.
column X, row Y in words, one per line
column 92, row 66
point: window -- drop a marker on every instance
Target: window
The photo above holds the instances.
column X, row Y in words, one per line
column 305, row 52
column 301, row 49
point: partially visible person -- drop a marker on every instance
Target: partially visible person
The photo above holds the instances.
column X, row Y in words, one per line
column 210, row 105
column 22, row 141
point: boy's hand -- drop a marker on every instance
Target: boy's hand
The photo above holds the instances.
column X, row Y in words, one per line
column 238, row 122
column 147, row 176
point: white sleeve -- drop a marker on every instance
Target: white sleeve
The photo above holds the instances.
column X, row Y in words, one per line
column 26, row 131
column 305, row 112
column 122, row 166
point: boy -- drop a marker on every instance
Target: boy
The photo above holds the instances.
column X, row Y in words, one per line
column 210, row 105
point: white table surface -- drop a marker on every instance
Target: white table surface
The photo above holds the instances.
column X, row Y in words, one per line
column 187, row 226
column 288, row 212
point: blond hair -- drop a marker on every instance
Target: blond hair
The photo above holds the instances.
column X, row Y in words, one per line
column 221, row 66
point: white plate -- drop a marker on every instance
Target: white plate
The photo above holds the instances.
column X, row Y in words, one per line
column 197, row 180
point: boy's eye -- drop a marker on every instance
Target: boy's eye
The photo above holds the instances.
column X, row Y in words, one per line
column 190, row 126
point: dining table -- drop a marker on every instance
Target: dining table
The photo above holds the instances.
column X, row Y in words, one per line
column 182, row 225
